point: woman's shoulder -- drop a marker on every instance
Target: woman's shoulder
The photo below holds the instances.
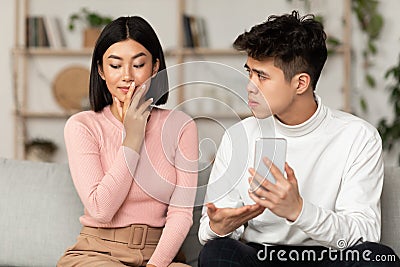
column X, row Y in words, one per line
column 84, row 119
column 83, row 116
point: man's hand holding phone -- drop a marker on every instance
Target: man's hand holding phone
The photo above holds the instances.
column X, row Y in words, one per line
column 282, row 197
column 226, row 220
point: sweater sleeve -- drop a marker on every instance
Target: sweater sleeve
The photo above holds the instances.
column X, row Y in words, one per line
column 357, row 214
column 101, row 192
column 180, row 209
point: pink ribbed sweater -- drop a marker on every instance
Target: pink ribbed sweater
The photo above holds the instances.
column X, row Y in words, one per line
column 119, row 187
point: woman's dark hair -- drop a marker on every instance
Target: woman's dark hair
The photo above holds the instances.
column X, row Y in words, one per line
column 121, row 29
column 297, row 44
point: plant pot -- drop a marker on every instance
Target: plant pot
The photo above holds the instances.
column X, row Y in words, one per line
column 90, row 36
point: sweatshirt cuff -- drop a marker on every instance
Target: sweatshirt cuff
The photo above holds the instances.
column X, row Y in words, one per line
column 213, row 234
column 306, row 217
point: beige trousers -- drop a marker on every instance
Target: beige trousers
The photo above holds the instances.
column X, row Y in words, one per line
column 91, row 251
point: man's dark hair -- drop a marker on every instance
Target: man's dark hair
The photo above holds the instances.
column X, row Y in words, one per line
column 297, row 44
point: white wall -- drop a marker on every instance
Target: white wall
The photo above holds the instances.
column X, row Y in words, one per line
column 225, row 20
column 6, row 100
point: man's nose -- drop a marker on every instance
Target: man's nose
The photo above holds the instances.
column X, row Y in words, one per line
column 251, row 87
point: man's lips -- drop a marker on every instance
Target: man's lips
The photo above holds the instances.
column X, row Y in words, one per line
column 252, row 103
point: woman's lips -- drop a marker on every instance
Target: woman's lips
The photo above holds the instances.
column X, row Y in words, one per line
column 125, row 89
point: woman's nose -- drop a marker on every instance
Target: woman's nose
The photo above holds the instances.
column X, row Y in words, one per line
column 127, row 75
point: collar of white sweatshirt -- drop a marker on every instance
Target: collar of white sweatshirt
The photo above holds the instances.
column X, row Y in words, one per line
column 337, row 160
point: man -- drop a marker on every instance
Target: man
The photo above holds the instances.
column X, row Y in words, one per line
column 325, row 208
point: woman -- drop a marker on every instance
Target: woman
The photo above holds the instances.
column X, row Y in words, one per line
column 133, row 166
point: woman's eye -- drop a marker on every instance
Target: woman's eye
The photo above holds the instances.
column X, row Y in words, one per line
column 114, row 66
column 138, row 66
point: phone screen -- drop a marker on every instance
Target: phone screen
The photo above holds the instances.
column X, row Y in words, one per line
column 275, row 150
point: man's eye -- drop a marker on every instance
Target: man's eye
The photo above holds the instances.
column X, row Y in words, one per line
column 262, row 77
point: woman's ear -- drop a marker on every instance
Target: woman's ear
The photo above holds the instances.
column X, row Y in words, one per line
column 100, row 71
column 302, row 82
column 156, row 66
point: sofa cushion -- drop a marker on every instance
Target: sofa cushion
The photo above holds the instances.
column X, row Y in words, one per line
column 390, row 202
column 39, row 211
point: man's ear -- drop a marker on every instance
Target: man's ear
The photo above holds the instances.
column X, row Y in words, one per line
column 156, row 66
column 302, row 82
column 100, row 71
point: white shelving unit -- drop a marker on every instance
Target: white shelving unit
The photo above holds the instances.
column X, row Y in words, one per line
column 22, row 55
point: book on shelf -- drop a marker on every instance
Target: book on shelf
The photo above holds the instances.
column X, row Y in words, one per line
column 195, row 33
column 36, row 35
column 54, row 32
column 43, row 31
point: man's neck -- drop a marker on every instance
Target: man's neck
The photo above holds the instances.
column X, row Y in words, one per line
column 300, row 111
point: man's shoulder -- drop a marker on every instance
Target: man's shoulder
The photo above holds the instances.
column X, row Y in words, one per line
column 352, row 123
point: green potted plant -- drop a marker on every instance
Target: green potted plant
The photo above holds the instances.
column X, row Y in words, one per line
column 93, row 23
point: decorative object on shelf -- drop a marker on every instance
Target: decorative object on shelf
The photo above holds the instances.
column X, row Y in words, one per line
column 71, row 88
column 93, row 22
column 39, row 149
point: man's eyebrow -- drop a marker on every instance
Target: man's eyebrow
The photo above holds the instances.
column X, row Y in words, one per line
column 259, row 72
column 134, row 57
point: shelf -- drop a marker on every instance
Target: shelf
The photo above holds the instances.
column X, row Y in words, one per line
column 46, row 115
column 44, row 51
column 201, row 51
column 22, row 56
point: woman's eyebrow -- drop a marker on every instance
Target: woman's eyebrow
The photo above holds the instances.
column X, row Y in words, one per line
column 140, row 54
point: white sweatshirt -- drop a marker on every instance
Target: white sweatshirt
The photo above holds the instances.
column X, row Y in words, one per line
column 337, row 160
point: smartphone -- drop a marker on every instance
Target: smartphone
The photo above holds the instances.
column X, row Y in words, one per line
column 275, row 150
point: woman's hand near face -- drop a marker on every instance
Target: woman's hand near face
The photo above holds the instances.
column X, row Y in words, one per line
column 134, row 115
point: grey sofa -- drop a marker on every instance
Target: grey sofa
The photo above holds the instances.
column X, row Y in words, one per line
column 39, row 211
